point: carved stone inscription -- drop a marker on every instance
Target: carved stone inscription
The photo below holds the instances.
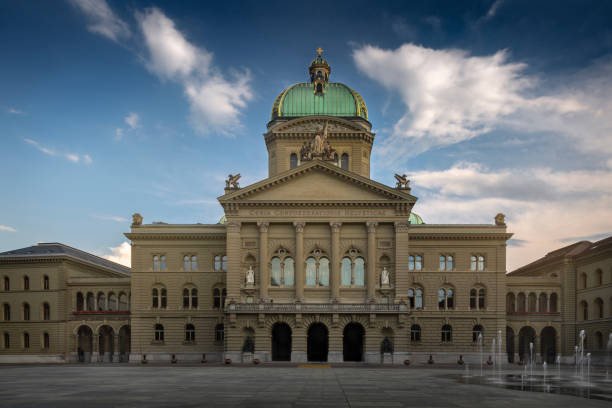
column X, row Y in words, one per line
column 321, row 213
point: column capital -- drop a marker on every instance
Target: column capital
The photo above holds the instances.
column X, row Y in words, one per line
column 299, row 226
column 335, row 226
column 402, row 226
column 263, row 226
column 371, row 226
column 233, row 226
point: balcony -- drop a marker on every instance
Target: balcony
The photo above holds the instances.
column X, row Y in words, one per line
column 316, row 308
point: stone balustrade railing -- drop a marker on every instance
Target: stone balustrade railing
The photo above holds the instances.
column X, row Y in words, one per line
column 315, row 308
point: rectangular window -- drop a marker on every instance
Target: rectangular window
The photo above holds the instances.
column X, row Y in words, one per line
column 411, row 263
column 418, row 263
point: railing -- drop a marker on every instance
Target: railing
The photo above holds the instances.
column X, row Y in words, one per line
column 534, row 313
column 100, row 312
column 315, row 308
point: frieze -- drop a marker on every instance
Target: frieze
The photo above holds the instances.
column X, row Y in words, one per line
column 341, row 212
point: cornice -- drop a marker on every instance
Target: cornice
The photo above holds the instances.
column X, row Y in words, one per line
column 460, row 235
column 175, row 235
column 58, row 258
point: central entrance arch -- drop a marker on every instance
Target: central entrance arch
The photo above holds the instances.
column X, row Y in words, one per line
column 318, row 342
column 281, row 342
column 352, row 342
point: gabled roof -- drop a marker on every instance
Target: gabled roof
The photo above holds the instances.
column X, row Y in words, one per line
column 55, row 249
column 389, row 194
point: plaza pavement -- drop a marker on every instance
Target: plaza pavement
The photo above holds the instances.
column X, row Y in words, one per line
column 123, row 385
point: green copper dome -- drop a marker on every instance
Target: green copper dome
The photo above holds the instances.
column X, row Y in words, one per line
column 301, row 100
column 415, row 219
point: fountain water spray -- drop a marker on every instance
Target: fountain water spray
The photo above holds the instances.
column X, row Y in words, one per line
column 558, row 360
column 499, row 354
column 480, row 349
column 609, row 359
column 531, row 359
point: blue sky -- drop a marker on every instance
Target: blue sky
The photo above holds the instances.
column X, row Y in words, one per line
column 109, row 107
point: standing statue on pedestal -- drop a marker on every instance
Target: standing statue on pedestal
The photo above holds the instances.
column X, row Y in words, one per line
column 250, row 276
column 384, row 277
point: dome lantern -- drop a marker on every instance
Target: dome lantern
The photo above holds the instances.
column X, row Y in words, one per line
column 319, row 71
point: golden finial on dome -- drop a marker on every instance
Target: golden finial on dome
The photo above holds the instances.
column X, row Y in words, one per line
column 319, row 51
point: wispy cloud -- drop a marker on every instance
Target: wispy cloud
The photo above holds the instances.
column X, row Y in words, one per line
column 122, row 254
column 493, row 9
column 14, row 111
column 7, row 228
column 216, row 102
column 102, row 19
column 110, row 218
column 118, row 134
column 132, row 120
column 451, row 96
column 73, row 157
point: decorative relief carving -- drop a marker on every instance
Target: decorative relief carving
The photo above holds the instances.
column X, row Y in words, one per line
column 312, row 244
column 263, row 226
column 359, row 244
column 371, row 226
column 335, row 226
column 402, row 226
column 299, row 226
column 385, row 244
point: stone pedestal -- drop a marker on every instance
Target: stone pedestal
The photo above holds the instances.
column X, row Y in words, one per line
column 387, row 358
column 247, row 358
column 299, row 357
column 335, row 357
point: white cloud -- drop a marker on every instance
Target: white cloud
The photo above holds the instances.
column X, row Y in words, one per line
column 14, row 111
column 73, row 157
column 493, row 9
column 132, row 120
column 451, row 97
column 216, row 101
column 7, row 228
column 111, row 218
column 102, row 19
column 121, row 254
column 543, row 208
column 118, row 134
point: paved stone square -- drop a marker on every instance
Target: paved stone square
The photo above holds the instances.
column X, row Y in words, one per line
column 123, row 385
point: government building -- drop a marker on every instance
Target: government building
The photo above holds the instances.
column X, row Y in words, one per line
column 317, row 262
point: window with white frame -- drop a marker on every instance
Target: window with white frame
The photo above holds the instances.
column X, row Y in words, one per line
column 317, row 269
column 447, row 262
column 446, row 298
column 352, row 269
column 415, row 298
column 415, row 262
column 190, row 263
column 477, row 263
column 282, row 269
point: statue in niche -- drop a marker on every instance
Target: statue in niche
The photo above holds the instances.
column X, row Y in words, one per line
column 136, row 219
column 384, row 277
column 386, row 346
column 250, row 276
column 232, row 181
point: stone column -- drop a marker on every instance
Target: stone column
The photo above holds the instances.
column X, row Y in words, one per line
column 234, row 276
column 371, row 267
column 299, row 260
column 264, row 278
column 334, row 277
column 402, row 249
column 115, row 340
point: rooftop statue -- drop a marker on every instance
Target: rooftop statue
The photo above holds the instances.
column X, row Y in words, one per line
column 402, row 181
column 319, row 147
column 232, row 181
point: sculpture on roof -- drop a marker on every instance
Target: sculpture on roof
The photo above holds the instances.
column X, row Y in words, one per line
column 136, row 219
column 232, row 181
column 318, row 147
column 402, row 181
column 500, row 219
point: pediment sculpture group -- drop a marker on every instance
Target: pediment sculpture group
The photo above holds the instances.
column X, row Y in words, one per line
column 318, row 147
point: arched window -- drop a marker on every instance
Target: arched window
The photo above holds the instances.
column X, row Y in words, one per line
column 346, row 271
column 162, row 262
column 553, row 302
column 185, row 298
column 189, row 332
column 163, row 300
column 194, row 298
column 473, row 299
column 446, row 298
column 159, row 332
column 6, row 312
column 194, row 263
column 447, row 333
column 112, row 302
column 476, row 331
column 336, row 159
column 482, row 298
column 46, row 341
column 317, row 269
column 288, row 272
column 275, row 271
column 293, row 161
column 446, row 262
column 217, row 262
column 510, row 303
column 352, row 270
column 80, row 302
column 477, row 263
column 46, row 311
column 543, row 303
column 26, row 283
column 520, row 302
column 26, row 340
column 599, row 277
column 123, row 302
column 419, row 298
column 7, row 283
column 26, row 311
column 190, row 263
column 415, row 333
column 45, row 282
column 219, row 295
column 186, row 263
column 219, row 333
column 323, row 271
column 91, row 302
column 344, row 161
column 583, row 280
column 7, row 340
column 155, row 297
column 101, row 301
column 599, row 308
column 531, row 302
column 415, row 263
column 584, row 310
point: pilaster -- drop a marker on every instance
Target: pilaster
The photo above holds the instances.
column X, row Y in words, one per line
column 402, row 282
column 299, row 260
column 335, row 259
column 264, row 278
column 371, row 270
column 234, row 274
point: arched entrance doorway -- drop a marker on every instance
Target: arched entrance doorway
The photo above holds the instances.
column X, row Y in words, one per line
column 510, row 343
column 124, row 343
column 106, row 343
column 84, row 344
column 547, row 344
column 526, row 335
column 318, row 341
column 281, row 342
column 352, row 342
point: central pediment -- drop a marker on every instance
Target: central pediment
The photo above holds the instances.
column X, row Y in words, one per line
column 318, row 182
